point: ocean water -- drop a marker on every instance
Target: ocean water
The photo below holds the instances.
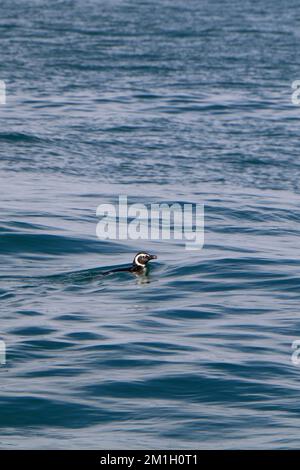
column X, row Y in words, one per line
column 162, row 101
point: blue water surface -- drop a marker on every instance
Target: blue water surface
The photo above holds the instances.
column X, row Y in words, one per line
column 162, row 101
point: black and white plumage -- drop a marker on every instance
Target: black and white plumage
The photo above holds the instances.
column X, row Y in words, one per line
column 139, row 264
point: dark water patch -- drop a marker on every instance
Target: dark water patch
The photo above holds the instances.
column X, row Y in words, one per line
column 29, row 313
column 45, row 243
column 197, row 388
column 46, row 345
column 16, row 225
column 73, row 317
column 84, row 336
column 32, row 331
column 52, row 371
column 187, row 313
column 4, row 295
column 33, row 411
column 19, row 138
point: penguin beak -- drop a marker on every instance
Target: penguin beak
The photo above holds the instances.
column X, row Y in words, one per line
column 153, row 256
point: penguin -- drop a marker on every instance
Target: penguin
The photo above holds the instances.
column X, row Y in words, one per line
column 139, row 265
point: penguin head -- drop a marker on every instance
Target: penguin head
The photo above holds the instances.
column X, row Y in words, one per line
column 141, row 259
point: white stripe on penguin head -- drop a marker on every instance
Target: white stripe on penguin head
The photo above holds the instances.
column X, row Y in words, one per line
column 136, row 259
